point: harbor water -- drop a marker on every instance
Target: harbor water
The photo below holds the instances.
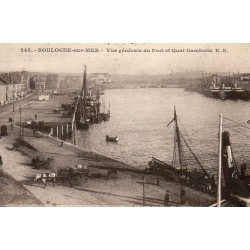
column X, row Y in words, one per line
column 139, row 117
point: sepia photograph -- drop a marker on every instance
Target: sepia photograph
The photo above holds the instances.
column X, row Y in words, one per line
column 124, row 125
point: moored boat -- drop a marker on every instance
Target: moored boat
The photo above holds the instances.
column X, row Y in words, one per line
column 224, row 92
column 82, row 121
column 112, row 138
column 106, row 114
column 83, row 124
column 194, row 175
column 106, row 117
column 89, row 106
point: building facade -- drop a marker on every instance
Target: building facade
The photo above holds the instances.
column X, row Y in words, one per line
column 14, row 85
column 100, row 78
column 2, row 92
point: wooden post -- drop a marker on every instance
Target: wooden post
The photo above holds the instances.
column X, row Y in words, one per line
column 20, row 112
column 52, row 132
column 62, row 133
column 67, row 129
column 143, row 192
column 57, row 131
column 13, row 103
column 22, row 132
column 219, row 165
column 73, row 137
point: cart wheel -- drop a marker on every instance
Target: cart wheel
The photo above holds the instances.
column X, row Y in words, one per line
column 75, row 179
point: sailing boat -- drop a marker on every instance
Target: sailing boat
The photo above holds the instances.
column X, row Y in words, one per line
column 179, row 171
column 97, row 117
column 106, row 115
column 83, row 122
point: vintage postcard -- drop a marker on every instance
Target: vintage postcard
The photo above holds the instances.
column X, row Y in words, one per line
column 124, row 125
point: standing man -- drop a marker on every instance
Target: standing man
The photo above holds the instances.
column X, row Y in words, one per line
column 166, row 199
column 183, row 196
column 243, row 169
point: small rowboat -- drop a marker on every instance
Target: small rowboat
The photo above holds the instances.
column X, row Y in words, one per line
column 111, row 139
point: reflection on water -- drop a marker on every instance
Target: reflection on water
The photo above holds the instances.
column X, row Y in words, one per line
column 139, row 118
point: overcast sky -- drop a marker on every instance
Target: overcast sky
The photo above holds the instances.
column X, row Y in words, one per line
column 236, row 58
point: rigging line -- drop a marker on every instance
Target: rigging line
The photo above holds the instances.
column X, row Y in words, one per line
column 196, row 158
column 184, row 129
column 180, row 149
column 191, row 142
column 208, row 146
column 236, row 131
column 190, row 139
column 192, row 153
column 236, row 122
column 234, row 160
column 233, row 126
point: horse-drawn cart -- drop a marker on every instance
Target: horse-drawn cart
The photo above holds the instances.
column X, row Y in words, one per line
column 74, row 175
column 37, row 163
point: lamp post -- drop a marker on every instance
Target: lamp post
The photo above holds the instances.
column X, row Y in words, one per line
column 13, row 99
column 219, row 165
column 143, row 192
column 20, row 112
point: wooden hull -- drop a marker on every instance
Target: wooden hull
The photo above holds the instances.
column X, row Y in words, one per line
column 98, row 119
column 232, row 94
column 111, row 139
column 82, row 125
column 161, row 168
column 193, row 179
column 106, row 117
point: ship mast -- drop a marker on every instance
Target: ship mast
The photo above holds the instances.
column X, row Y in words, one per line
column 84, row 92
column 177, row 140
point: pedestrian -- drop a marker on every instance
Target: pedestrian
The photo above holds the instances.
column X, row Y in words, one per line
column 213, row 181
column 157, row 181
column 36, row 117
column 206, row 183
column 166, row 199
column 183, row 196
column 61, row 143
column 243, row 169
column 33, row 161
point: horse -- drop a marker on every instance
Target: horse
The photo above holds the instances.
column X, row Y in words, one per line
column 44, row 177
